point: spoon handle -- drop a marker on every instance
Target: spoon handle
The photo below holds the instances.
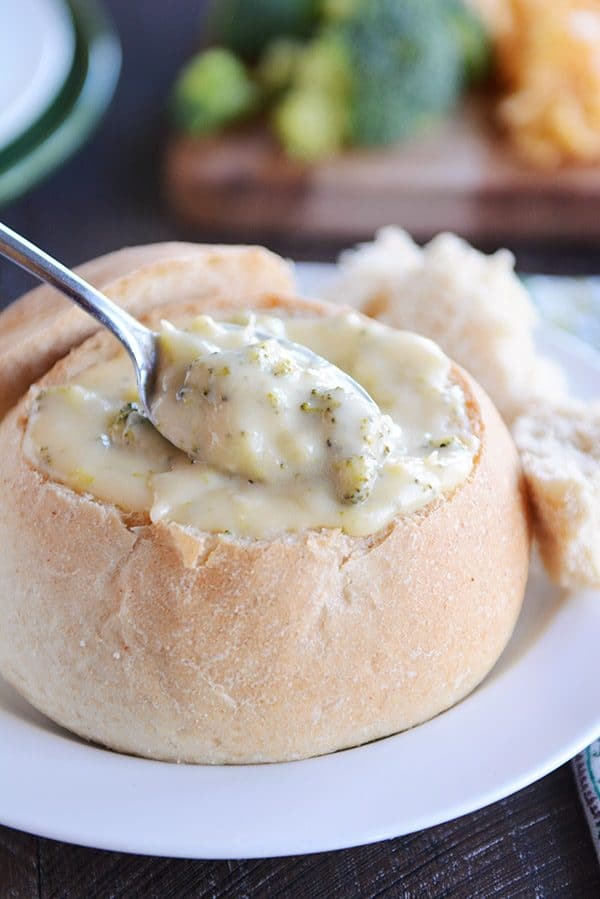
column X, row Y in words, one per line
column 44, row 267
column 137, row 339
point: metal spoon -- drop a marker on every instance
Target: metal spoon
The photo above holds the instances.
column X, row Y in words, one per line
column 141, row 343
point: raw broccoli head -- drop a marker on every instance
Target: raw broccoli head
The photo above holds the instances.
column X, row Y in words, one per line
column 405, row 64
column 371, row 71
column 381, row 69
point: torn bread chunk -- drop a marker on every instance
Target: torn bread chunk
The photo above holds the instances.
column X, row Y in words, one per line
column 473, row 305
column 560, row 453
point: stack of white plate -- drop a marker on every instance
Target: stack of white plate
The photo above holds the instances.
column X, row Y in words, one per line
column 59, row 63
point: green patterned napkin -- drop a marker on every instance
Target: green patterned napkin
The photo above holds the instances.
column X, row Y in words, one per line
column 586, row 766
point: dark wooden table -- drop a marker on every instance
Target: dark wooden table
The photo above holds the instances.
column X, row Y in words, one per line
column 535, row 843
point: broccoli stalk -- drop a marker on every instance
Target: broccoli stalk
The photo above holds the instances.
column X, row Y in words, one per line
column 310, row 124
column 312, row 120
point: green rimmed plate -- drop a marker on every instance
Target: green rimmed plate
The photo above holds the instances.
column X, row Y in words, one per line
column 37, row 48
column 77, row 109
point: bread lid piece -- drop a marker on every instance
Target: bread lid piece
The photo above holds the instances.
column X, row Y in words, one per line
column 43, row 326
column 560, row 453
column 474, row 306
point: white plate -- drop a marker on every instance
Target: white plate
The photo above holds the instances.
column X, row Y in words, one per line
column 538, row 707
column 37, row 43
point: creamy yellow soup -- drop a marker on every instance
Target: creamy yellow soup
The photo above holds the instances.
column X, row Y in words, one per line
column 266, row 409
column 274, row 444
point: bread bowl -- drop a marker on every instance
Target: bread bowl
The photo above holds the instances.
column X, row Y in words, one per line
column 164, row 641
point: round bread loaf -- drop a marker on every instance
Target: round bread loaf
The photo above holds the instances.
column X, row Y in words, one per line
column 170, row 643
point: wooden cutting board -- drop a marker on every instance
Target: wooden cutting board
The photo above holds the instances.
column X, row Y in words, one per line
column 460, row 176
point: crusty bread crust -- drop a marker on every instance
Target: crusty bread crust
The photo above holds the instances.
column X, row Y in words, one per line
column 473, row 305
column 168, row 643
column 559, row 443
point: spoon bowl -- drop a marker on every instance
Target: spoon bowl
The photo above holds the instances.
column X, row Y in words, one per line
column 140, row 342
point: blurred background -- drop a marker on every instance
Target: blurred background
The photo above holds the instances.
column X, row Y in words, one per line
column 304, row 124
